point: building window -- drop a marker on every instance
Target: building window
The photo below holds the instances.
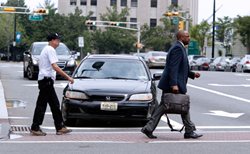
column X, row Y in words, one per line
column 153, row 3
column 113, row 2
column 123, row 2
column 174, row 3
column 153, row 22
column 72, row 2
column 134, row 3
column 133, row 20
column 83, row 2
column 93, row 2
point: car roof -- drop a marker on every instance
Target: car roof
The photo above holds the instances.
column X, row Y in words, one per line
column 108, row 56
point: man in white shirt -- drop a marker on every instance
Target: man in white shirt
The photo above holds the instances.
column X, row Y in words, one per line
column 46, row 77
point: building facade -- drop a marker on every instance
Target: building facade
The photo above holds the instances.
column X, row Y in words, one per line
column 143, row 11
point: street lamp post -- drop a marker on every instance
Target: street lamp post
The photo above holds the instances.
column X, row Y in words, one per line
column 213, row 39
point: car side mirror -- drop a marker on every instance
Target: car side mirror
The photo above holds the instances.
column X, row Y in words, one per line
column 156, row 76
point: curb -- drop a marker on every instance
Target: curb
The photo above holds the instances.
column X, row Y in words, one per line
column 4, row 121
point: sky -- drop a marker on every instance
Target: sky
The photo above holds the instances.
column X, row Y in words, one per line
column 230, row 8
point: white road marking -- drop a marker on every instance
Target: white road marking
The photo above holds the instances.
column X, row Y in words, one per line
column 224, row 114
column 19, row 117
column 220, row 93
column 229, row 85
column 57, row 85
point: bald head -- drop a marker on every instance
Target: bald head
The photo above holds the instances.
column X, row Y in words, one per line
column 183, row 36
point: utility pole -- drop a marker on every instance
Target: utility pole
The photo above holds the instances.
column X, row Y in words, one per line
column 213, row 39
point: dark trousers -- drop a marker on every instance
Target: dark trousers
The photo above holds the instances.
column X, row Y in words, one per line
column 160, row 110
column 47, row 94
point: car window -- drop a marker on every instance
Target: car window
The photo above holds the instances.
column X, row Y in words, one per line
column 60, row 50
column 37, row 49
column 159, row 54
column 112, row 68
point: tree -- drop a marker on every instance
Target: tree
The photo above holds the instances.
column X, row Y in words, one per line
column 242, row 25
column 200, row 33
column 114, row 40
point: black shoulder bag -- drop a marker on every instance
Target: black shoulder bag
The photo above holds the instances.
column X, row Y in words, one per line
column 175, row 104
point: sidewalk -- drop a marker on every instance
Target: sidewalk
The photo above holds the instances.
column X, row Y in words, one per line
column 4, row 122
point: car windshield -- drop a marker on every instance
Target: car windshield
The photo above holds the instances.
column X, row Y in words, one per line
column 112, row 69
column 60, row 50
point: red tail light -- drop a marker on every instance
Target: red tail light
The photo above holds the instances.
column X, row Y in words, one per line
column 247, row 62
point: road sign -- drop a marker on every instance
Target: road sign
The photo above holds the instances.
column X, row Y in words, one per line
column 175, row 20
column 80, row 41
column 35, row 17
column 18, row 37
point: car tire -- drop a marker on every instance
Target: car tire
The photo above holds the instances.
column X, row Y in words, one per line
column 70, row 122
column 30, row 74
column 24, row 73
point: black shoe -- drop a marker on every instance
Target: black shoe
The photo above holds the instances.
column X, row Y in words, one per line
column 192, row 135
column 148, row 134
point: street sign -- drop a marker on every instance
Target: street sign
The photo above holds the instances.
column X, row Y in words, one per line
column 18, row 37
column 35, row 17
column 175, row 20
column 80, row 41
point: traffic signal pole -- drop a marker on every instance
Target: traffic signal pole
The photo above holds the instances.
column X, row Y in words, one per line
column 116, row 24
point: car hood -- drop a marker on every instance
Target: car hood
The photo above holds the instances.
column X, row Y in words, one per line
column 111, row 86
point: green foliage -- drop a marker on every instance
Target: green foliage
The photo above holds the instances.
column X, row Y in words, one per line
column 200, row 32
column 222, row 24
column 242, row 25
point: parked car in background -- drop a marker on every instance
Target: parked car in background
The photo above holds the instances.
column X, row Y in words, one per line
column 231, row 65
column 156, row 58
column 201, row 63
column 66, row 59
column 244, row 64
column 141, row 54
column 191, row 58
column 110, row 87
column 219, row 64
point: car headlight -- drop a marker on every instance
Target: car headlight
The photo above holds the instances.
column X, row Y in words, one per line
column 71, row 62
column 35, row 61
column 75, row 95
column 141, row 97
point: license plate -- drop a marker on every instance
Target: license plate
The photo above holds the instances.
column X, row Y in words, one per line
column 109, row 106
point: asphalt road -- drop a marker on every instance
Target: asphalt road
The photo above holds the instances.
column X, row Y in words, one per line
column 219, row 108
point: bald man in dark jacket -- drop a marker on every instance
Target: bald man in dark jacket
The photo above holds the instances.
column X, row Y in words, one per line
column 174, row 80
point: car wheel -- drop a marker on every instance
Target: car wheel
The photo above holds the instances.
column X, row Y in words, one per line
column 24, row 73
column 70, row 122
column 30, row 73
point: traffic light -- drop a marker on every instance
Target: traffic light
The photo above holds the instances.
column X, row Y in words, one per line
column 139, row 45
column 181, row 25
column 90, row 23
column 170, row 14
column 41, row 11
column 9, row 9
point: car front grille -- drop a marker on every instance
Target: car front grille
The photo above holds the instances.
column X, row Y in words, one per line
column 61, row 64
column 106, row 98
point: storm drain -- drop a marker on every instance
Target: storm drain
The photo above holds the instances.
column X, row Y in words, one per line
column 20, row 129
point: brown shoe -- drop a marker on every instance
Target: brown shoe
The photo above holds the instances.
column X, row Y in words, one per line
column 62, row 131
column 37, row 133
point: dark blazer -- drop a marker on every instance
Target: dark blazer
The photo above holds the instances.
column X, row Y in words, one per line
column 176, row 71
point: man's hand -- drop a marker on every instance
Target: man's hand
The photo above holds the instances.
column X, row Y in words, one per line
column 197, row 75
column 175, row 89
column 71, row 80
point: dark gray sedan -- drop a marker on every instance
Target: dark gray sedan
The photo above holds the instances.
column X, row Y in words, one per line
column 110, row 87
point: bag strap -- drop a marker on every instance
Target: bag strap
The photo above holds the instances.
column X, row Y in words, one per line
column 171, row 127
